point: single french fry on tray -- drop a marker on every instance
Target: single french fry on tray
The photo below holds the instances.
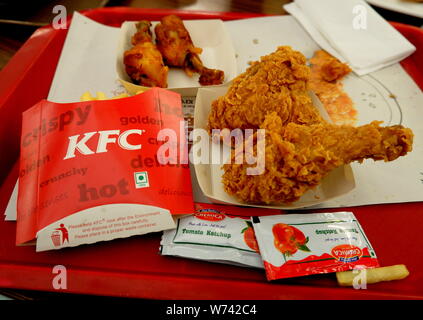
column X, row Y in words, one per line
column 375, row 275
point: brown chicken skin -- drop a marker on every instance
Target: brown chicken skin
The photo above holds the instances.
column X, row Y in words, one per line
column 298, row 157
column 277, row 83
column 144, row 62
column 175, row 44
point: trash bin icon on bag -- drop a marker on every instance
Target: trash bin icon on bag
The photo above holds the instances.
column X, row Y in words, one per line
column 60, row 235
column 56, row 237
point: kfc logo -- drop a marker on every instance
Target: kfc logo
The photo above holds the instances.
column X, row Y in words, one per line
column 104, row 138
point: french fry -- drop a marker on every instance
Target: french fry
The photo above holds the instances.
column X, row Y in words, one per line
column 101, row 96
column 375, row 275
column 86, row 96
column 122, row 95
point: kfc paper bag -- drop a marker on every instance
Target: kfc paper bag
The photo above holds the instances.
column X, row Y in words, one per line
column 100, row 170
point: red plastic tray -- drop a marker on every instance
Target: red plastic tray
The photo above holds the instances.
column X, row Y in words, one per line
column 132, row 267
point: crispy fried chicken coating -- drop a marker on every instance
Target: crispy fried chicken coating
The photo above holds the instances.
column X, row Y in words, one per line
column 331, row 69
column 277, row 83
column 298, row 157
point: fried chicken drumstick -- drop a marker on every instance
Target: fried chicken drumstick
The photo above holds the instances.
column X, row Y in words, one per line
column 144, row 62
column 175, row 44
column 298, row 157
column 277, row 83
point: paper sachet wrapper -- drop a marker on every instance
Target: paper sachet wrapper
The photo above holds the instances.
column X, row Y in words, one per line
column 216, row 233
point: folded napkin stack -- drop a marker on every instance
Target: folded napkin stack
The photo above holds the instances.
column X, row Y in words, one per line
column 353, row 32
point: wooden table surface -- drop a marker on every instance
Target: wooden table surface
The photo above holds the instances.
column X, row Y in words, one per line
column 17, row 23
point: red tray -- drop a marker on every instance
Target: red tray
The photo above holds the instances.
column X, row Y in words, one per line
column 132, row 267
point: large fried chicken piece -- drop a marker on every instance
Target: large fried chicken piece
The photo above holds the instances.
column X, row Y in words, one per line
column 298, row 157
column 278, row 83
column 175, row 44
column 144, row 62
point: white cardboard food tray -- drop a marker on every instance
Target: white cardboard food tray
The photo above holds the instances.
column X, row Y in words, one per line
column 338, row 182
column 209, row 35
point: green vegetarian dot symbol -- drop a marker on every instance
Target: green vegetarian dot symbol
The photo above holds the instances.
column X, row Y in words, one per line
column 141, row 178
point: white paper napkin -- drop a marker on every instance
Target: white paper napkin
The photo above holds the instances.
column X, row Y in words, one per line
column 353, row 32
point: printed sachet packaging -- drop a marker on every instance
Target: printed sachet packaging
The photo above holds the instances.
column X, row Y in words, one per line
column 295, row 245
column 99, row 170
column 216, row 233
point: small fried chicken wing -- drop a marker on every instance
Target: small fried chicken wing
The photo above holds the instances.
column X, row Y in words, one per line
column 144, row 62
column 277, row 83
column 175, row 44
column 298, row 157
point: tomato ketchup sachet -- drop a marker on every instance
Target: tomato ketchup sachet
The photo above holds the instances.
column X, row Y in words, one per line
column 216, row 233
column 100, row 170
column 295, row 245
